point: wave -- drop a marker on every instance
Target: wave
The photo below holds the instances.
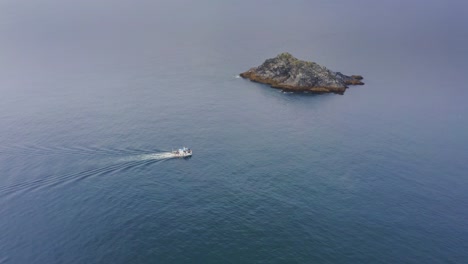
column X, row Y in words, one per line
column 71, row 150
column 51, row 181
column 152, row 156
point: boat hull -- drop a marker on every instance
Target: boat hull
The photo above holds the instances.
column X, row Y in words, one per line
column 181, row 155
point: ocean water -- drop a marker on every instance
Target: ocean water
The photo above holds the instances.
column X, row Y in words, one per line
column 94, row 93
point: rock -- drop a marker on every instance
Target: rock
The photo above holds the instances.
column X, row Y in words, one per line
column 291, row 74
column 357, row 77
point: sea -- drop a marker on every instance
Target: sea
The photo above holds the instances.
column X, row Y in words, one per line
column 95, row 93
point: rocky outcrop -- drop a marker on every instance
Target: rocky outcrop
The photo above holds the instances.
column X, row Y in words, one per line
column 291, row 74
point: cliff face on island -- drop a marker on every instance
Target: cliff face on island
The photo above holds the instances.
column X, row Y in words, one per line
column 291, row 74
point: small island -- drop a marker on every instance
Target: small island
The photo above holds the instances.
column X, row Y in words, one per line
column 293, row 75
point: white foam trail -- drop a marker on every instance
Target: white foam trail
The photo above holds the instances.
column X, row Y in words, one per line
column 53, row 180
column 237, row 76
column 153, row 156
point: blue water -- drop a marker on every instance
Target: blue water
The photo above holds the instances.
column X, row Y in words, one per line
column 93, row 92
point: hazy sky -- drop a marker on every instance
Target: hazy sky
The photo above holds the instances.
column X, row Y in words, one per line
column 57, row 34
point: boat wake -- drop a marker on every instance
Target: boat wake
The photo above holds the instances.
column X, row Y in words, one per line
column 39, row 150
column 152, row 156
column 116, row 165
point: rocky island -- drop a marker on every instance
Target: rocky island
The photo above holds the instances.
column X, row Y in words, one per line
column 291, row 74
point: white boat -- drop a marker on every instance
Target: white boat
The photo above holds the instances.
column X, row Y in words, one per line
column 181, row 153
